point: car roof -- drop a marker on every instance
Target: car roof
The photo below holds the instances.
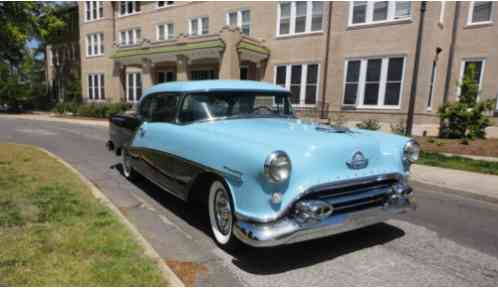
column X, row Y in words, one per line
column 214, row 85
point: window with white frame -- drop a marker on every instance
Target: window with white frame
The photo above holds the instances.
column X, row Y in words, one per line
column 198, row 26
column 478, row 66
column 442, row 9
column 301, row 79
column 133, row 86
column 241, row 19
column 165, row 31
column 480, row 12
column 161, row 4
column 94, row 10
column 374, row 82
column 130, row 37
column 95, row 44
column 96, row 86
column 129, row 7
column 370, row 12
column 299, row 17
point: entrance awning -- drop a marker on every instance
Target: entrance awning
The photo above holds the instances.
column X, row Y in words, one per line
column 251, row 50
column 193, row 50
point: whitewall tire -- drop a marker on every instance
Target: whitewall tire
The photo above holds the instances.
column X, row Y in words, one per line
column 221, row 216
column 128, row 171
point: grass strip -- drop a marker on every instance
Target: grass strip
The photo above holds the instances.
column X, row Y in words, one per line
column 55, row 233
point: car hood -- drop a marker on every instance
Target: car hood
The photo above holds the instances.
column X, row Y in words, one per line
column 312, row 145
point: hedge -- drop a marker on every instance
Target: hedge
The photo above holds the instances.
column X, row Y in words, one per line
column 95, row 110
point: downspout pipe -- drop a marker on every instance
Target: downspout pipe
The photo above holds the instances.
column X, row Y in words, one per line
column 326, row 63
column 413, row 90
column 451, row 54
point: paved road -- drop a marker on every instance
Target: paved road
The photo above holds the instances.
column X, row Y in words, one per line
column 448, row 241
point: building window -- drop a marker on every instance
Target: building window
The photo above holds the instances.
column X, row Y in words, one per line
column 198, row 26
column 130, row 37
column 203, row 75
column 161, row 4
column 94, row 10
column 244, row 72
column 241, row 19
column 165, row 31
column 369, row 12
column 432, row 86
column 166, row 76
column 480, row 12
column 441, row 12
column 129, row 7
column 96, row 87
column 478, row 65
column 95, row 44
column 133, row 86
column 301, row 79
column 299, row 17
column 374, row 82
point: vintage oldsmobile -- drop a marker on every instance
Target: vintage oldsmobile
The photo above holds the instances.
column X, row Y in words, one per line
column 267, row 177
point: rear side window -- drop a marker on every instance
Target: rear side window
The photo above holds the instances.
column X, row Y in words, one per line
column 160, row 107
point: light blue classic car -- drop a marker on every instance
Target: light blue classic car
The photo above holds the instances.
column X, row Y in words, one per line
column 267, row 177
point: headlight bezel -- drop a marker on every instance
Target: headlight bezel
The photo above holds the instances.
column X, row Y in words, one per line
column 270, row 163
column 411, row 153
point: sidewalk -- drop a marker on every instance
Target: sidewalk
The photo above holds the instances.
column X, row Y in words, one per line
column 476, row 185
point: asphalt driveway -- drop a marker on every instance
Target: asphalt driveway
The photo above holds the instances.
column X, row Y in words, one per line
column 448, row 241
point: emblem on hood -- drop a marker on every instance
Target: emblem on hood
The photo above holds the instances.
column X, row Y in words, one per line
column 358, row 161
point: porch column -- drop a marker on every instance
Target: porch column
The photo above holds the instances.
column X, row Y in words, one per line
column 117, row 91
column 230, row 62
column 146, row 73
column 182, row 68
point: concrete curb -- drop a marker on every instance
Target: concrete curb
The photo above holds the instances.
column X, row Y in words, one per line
column 453, row 191
column 166, row 271
column 459, row 182
column 49, row 118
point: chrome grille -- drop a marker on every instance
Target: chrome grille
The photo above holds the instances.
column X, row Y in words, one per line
column 355, row 197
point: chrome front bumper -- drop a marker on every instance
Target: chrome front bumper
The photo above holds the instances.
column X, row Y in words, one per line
column 288, row 230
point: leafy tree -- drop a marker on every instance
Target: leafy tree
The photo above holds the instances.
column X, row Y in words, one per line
column 466, row 118
column 19, row 66
column 22, row 21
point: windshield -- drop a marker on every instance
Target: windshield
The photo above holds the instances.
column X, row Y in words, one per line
column 210, row 106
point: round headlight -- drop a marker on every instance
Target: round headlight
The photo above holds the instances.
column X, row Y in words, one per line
column 411, row 151
column 277, row 167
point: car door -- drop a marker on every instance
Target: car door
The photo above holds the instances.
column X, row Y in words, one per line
column 155, row 139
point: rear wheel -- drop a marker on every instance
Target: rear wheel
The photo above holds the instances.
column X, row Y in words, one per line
column 128, row 171
column 221, row 216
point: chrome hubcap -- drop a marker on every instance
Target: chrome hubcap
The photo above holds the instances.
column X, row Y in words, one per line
column 222, row 211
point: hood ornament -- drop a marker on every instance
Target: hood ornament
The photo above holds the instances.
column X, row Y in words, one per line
column 358, row 161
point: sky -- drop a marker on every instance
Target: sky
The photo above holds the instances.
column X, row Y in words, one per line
column 33, row 43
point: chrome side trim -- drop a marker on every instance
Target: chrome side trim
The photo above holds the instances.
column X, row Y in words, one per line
column 317, row 188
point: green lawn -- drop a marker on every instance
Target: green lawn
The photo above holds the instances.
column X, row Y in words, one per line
column 460, row 163
column 53, row 232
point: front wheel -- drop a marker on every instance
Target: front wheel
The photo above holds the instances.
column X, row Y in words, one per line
column 221, row 216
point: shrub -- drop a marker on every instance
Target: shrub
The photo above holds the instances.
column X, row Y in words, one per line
column 466, row 118
column 94, row 110
column 399, row 128
column 337, row 120
column 370, row 124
